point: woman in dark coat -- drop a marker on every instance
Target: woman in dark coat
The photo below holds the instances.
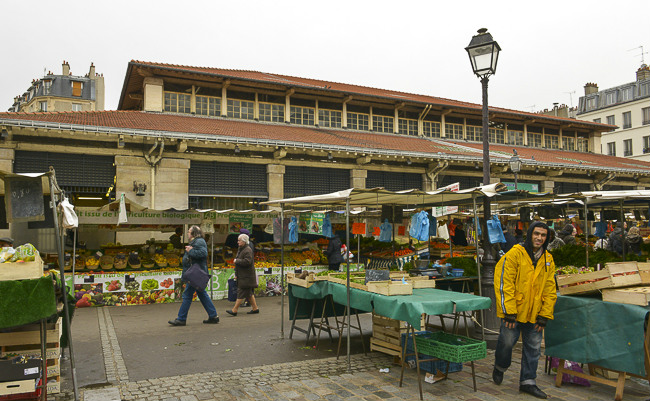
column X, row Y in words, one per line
column 567, row 234
column 196, row 251
column 245, row 276
column 333, row 253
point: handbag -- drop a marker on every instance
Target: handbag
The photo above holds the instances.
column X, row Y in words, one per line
column 196, row 277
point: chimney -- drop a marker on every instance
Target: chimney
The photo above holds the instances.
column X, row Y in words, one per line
column 590, row 88
column 91, row 73
column 66, row 68
column 643, row 73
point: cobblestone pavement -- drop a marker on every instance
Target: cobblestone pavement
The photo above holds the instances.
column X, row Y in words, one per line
column 328, row 379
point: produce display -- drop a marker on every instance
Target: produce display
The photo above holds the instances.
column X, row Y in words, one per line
column 92, row 262
column 106, row 262
column 160, row 260
column 134, row 260
column 119, row 261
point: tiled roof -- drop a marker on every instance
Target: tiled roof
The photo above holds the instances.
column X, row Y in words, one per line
column 231, row 130
column 343, row 88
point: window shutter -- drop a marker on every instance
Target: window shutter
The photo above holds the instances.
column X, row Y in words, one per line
column 76, row 88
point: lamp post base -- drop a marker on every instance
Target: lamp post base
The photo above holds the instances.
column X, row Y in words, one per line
column 489, row 319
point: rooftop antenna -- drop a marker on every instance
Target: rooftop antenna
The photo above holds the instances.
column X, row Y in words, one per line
column 571, row 97
column 642, row 53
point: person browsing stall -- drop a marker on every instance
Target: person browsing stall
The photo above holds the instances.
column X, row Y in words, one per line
column 195, row 252
column 176, row 239
column 524, row 286
column 460, row 237
column 245, row 276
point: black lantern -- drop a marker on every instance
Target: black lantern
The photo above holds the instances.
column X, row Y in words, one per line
column 515, row 166
column 483, row 53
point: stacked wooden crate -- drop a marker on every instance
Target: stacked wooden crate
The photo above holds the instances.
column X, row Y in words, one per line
column 621, row 282
column 387, row 334
column 26, row 341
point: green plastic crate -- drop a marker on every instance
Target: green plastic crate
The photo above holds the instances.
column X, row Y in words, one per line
column 450, row 347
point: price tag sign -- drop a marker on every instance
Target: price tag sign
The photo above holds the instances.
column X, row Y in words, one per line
column 297, row 270
column 268, row 270
column 89, row 279
column 99, row 254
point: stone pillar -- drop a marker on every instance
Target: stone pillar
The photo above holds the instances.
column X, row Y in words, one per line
column 6, row 164
column 170, row 184
column 153, row 94
column 547, row 186
column 427, row 183
column 275, row 181
column 358, row 178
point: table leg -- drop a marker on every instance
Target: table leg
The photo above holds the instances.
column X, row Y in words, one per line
column 417, row 359
column 560, row 371
column 295, row 316
column 620, row 386
column 473, row 375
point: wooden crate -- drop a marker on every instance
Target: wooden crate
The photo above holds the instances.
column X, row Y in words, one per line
column 644, row 272
column 54, row 385
column 345, row 281
column 387, row 334
column 417, row 281
column 390, row 287
column 22, row 270
column 302, row 282
column 17, row 387
column 614, row 275
column 633, row 296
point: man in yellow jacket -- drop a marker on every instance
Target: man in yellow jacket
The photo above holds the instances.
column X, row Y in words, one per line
column 524, row 284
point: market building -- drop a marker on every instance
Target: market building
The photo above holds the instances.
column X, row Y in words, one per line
column 627, row 107
column 198, row 137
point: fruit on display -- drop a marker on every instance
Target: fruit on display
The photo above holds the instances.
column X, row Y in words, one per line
column 313, row 255
column 80, row 263
column 92, row 263
column 134, row 260
column 403, row 252
column 106, row 262
column 161, row 260
column 173, row 260
column 119, row 261
column 262, row 265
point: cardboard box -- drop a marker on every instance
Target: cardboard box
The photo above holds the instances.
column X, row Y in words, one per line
column 22, row 270
column 10, row 371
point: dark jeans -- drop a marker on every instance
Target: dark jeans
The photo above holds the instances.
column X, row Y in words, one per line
column 335, row 266
column 187, row 301
column 531, row 345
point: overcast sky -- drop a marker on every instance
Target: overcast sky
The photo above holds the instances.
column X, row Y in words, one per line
column 550, row 49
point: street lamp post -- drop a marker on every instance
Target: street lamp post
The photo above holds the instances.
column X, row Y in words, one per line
column 483, row 53
column 515, row 166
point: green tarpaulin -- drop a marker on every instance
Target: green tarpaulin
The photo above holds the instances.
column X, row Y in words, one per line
column 400, row 307
column 588, row 330
column 26, row 301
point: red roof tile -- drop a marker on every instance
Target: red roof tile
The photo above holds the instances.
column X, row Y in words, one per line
column 290, row 81
column 233, row 130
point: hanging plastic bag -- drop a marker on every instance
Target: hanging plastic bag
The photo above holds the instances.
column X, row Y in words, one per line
column 293, row 230
column 386, row 232
column 69, row 218
column 478, row 227
column 420, row 226
column 495, row 232
column 443, row 232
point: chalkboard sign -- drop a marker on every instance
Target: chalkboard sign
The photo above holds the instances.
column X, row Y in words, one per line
column 388, row 211
column 377, row 275
column 48, row 222
column 24, row 199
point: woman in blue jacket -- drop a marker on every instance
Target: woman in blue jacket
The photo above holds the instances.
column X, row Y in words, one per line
column 195, row 252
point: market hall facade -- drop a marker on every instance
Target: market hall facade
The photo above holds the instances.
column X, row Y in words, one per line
column 195, row 137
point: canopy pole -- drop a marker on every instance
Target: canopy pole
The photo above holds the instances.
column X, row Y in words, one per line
column 620, row 202
column 212, row 262
column 586, row 234
column 282, row 270
column 60, row 247
column 478, row 265
column 347, row 240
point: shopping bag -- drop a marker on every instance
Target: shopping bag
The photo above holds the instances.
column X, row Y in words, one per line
column 69, row 218
column 196, row 277
column 232, row 290
column 495, row 232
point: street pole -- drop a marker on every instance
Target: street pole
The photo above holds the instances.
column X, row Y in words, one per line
column 490, row 322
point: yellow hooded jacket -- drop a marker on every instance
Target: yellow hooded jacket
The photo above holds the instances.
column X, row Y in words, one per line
column 522, row 289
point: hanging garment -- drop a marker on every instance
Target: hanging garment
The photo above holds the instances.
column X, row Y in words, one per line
column 386, row 232
column 420, row 226
column 293, row 230
column 433, row 226
column 601, row 229
column 327, row 226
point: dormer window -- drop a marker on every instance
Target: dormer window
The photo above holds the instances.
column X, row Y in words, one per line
column 47, row 86
column 77, row 87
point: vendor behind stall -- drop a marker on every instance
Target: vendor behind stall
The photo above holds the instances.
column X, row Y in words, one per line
column 176, row 239
column 6, row 242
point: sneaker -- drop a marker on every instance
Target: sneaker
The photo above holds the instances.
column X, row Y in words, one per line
column 212, row 320
column 532, row 390
column 253, row 311
column 177, row 322
column 497, row 376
